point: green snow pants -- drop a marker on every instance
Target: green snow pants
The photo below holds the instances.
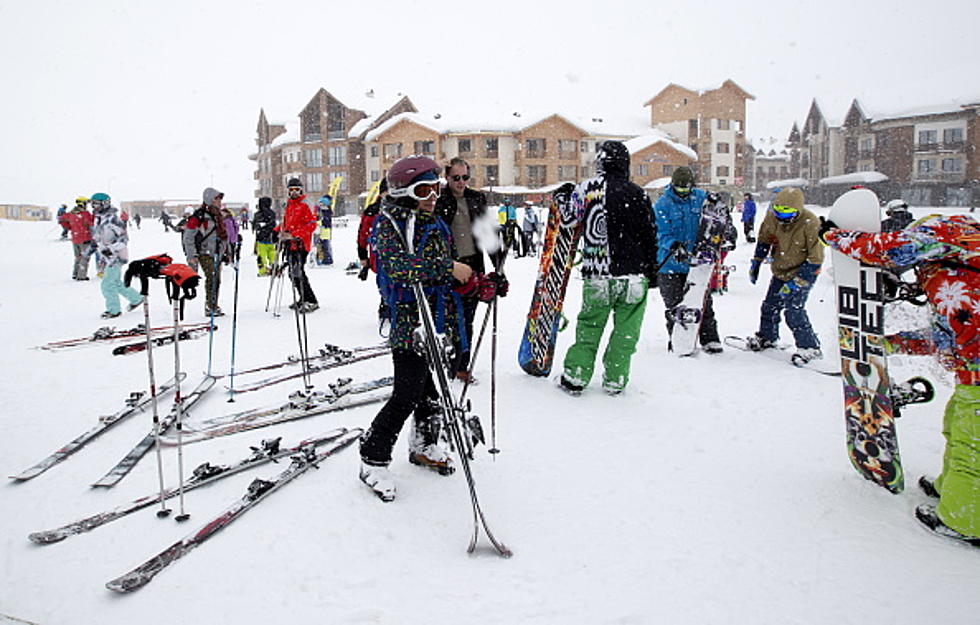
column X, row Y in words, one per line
column 266, row 253
column 626, row 299
column 959, row 483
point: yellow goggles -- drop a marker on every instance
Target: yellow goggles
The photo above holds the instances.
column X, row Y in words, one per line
column 784, row 212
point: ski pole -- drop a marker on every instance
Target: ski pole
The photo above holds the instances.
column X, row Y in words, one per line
column 303, row 356
column 212, row 304
column 273, row 275
column 234, row 328
column 163, row 511
column 178, row 406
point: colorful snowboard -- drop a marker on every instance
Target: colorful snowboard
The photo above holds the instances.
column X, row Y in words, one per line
column 561, row 238
column 869, row 415
column 716, row 222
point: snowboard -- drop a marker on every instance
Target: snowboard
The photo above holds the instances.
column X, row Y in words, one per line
column 537, row 349
column 869, row 413
column 687, row 315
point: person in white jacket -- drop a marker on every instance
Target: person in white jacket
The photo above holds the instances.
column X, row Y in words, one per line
column 111, row 242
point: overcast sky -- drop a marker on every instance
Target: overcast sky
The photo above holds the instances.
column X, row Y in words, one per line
column 150, row 99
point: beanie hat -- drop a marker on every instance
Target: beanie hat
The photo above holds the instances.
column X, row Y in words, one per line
column 682, row 177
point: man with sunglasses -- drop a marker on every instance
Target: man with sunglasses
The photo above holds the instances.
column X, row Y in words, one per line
column 791, row 233
column 678, row 217
column 296, row 236
column 461, row 207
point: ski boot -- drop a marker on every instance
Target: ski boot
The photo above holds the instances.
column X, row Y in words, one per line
column 713, row 347
column 928, row 487
column 570, row 387
column 378, row 479
column 109, row 315
column 433, row 457
column 926, row 514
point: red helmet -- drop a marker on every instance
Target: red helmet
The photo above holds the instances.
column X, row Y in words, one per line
column 406, row 170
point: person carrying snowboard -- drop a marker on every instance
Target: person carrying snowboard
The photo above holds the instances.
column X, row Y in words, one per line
column 264, row 224
column 111, row 241
column 945, row 252
column 617, row 261
column 678, row 217
column 790, row 233
column 412, row 245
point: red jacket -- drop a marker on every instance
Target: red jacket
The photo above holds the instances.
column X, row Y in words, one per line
column 299, row 221
column 80, row 223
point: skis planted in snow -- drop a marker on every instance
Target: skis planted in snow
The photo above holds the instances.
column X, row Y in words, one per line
column 267, row 451
column 258, row 490
column 136, row 402
column 124, row 466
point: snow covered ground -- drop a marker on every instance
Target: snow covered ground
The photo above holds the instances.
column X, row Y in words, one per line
column 715, row 490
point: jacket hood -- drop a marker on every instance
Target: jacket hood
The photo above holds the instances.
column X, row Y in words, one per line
column 612, row 157
column 210, row 194
column 790, row 196
column 265, row 203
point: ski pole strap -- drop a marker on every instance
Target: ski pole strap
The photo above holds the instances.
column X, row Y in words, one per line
column 182, row 283
column 146, row 268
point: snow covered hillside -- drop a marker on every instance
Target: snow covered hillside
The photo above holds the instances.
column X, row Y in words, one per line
column 716, row 489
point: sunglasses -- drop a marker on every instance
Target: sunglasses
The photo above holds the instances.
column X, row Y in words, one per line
column 422, row 190
column 457, row 177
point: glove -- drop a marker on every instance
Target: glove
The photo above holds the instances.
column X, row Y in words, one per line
column 754, row 269
column 107, row 253
column 502, row 285
column 712, row 198
column 789, row 288
column 826, row 226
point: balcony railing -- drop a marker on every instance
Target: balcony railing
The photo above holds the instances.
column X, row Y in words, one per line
column 865, row 154
column 931, row 146
column 939, row 176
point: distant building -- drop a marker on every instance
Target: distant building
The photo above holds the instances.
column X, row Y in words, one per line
column 25, row 212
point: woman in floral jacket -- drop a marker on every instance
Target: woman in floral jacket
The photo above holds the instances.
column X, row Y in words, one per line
column 946, row 254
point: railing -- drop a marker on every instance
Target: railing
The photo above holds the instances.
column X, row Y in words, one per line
column 939, row 176
column 932, row 146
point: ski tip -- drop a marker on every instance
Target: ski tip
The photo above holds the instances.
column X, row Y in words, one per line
column 124, row 585
column 45, row 538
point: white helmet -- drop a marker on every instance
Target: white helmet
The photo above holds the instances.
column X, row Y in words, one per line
column 896, row 206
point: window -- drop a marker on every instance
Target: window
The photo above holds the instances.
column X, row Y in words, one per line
column 772, row 170
column 314, row 182
column 692, row 128
column 783, row 171
column 425, row 147
column 337, row 155
column 536, row 175
column 721, row 170
column 534, row 148
column 926, row 165
column 724, row 124
column 567, row 172
column 585, row 146
column 928, row 136
column 722, row 148
column 952, row 165
column 567, row 148
column 490, row 174
column 465, row 146
column 668, row 170
column 374, row 150
column 865, row 145
column 642, row 170
column 313, row 158
column 393, row 150
column 953, row 135
column 490, row 145
column 343, row 181
column 865, row 167
column 375, row 175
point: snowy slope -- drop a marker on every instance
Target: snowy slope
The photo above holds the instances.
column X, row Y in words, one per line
column 716, row 490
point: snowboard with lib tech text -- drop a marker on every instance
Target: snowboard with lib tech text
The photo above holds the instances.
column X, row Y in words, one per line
column 869, row 414
column 716, row 221
column 561, row 238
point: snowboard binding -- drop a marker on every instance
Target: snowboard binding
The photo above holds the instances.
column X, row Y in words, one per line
column 917, row 390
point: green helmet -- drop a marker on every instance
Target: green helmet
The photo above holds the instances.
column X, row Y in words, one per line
column 682, row 177
column 100, row 201
column 100, row 197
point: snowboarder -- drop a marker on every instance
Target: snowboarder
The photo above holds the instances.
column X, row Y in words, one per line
column 296, row 234
column 80, row 223
column 205, row 242
column 111, row 240
column 678, row 217
column 507, row 217
column 412, row 244
column 264, row 224
column 898, row 216
column 945, row 252
column 790, row 232
column 618, row 258
column 324, row 205
column 167, row 222
column 748, row 218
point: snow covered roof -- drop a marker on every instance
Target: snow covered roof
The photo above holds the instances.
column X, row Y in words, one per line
column 789, row 182
column 421, row 119
column 519, row 190
column 659, row 183
column 860, row 177
column 638, row 144
column 290, row 136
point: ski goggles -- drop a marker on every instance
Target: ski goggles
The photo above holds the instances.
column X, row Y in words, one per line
column 784, row 212
column 682, row 190
column 421, row 190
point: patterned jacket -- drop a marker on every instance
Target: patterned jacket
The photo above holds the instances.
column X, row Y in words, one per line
column 948, row 249
column 111, row 238
column 432, row 265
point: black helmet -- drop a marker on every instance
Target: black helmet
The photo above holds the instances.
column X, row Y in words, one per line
column 612, row 156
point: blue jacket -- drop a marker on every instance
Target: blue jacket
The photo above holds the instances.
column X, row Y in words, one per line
column 677, row 220
column 748, row 211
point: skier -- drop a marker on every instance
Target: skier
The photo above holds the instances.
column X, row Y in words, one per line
column 945, row 252
column 898, row 216
column 167, row 222
column 264, row 224
column 296, row 234
column 243, row 219
column 790, row 232
column 617, row 261
column 109, row 235
column 412, row 244
column 63, row 220
column 507, row 217
column 137, row 219
column 529, row 227
column 678, row 217
column 205, row 242
column 461, row 207
column 748, row 217
column 80, row 223
column 365, row 251
column 324, row 204
column 233, row 249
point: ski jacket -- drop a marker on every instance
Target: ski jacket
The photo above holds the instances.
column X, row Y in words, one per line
column 110, row 238
column 205, row 233
column 477, row 204
column 299, row 221
column 794, row 245
column 531, row 221
column 618, row 235
column 946, row 252
column 364, row 233
column 326, row 223
column 264, row 223
column 748, row 211
column 80, row 222
column 231, row 227
column 431, row 264
column 677, row 219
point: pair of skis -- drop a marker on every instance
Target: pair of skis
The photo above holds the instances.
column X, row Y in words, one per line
column 338, row 358
column 108, row 334
column 185, row 335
